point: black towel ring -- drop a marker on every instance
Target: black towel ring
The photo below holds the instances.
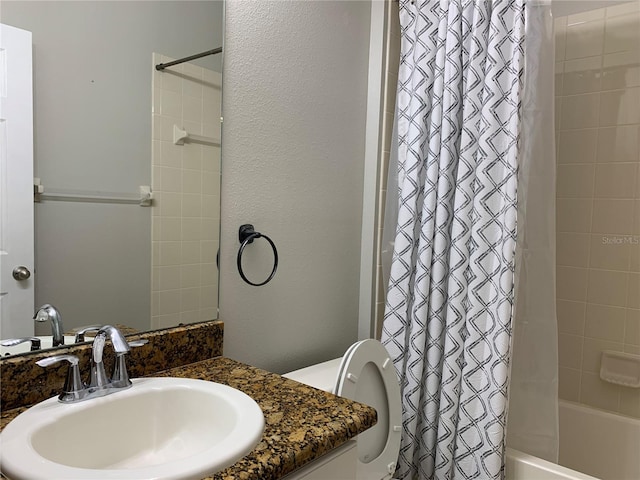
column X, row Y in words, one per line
column 246, row 235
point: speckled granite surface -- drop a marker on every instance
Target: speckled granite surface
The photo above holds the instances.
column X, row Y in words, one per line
column 301, row 423
column 22, row 382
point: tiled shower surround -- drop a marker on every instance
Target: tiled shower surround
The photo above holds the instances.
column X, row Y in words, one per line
column 186, row 189
column 598, row 200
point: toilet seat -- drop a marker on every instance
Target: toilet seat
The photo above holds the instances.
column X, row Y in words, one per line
column 368, row 359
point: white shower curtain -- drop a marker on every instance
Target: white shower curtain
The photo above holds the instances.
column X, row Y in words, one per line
column 448, row 320
column 533, row 391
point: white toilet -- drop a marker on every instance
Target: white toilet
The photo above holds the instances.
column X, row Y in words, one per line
column 365, row 374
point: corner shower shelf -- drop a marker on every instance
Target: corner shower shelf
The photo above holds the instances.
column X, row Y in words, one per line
column 620, row 368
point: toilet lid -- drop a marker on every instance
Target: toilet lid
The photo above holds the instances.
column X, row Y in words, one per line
column 367, row 375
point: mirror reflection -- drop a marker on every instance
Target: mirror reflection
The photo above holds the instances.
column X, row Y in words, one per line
column 110, row 133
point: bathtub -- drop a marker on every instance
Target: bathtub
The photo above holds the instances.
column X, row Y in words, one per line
column 521, row 466
column 602, row 444
column 594, row 444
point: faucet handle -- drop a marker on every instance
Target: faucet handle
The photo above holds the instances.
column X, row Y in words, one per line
column 120, row 377
column 80, row 332
column 73, row 385
column 138, row 343
column 11, row 342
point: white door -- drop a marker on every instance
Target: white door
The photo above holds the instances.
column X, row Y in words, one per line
column 16, row 184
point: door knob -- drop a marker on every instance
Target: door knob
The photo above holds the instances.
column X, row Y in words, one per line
column 21, row 273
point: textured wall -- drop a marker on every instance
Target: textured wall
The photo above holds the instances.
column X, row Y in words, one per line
column 294, row 102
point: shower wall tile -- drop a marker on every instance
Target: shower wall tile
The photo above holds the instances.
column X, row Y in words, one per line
column 191, row 109
column 632, row 327
column 633, row 296
column 587, row 16
column 577, row 146
column 623, row 9
column 619, row 144
column 190, row 252
column 569, row 351
column 171, row 83
column 569, row 384
column 616, row 180
column 572, row 283
column 192, row 157
column 580, row 111
column 171, row 104
column 607, row 254
column 192, row 127
column 621, row 70
column 558, row 79
column 170, row 253
column 572, row 249
column 592, row 353
column 598, row 199
column 612, row 217
column 185, row 229
column 560, row 27
column 170, row 155
column 604, row 322
column 620, row 107
column 607, row 287
column 574, row 215
column 571, row 317
column 599, row 394
column 575, row 181
column 584, row 39
column 630, row 402
column 634, row 255
column 622, row 33
column 582, row 75
column 170, row 209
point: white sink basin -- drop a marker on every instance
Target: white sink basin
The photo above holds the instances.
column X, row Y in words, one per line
column 160, row 428
column 45, row 342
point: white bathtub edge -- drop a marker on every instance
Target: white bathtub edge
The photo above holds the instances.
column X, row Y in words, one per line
column 522, row 466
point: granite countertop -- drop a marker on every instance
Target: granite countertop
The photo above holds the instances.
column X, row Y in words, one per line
column 301, row 422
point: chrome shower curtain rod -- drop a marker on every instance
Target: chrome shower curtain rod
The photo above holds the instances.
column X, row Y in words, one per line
column 162, row 66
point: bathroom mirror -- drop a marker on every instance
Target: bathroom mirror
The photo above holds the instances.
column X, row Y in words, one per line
column 104, row 121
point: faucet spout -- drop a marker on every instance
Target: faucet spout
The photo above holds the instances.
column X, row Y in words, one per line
column 120, row 344
column 50, row 313
column 99, row 379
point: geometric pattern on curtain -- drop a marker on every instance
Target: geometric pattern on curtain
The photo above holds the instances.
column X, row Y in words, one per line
column 448, row 317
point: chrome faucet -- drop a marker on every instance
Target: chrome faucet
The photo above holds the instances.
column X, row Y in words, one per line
column 99, row 379
column 50, row 313
column 99, row 383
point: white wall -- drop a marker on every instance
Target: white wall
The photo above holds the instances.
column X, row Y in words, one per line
column 294, row 103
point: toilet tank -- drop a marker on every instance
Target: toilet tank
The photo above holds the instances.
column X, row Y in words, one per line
column 321, row 375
